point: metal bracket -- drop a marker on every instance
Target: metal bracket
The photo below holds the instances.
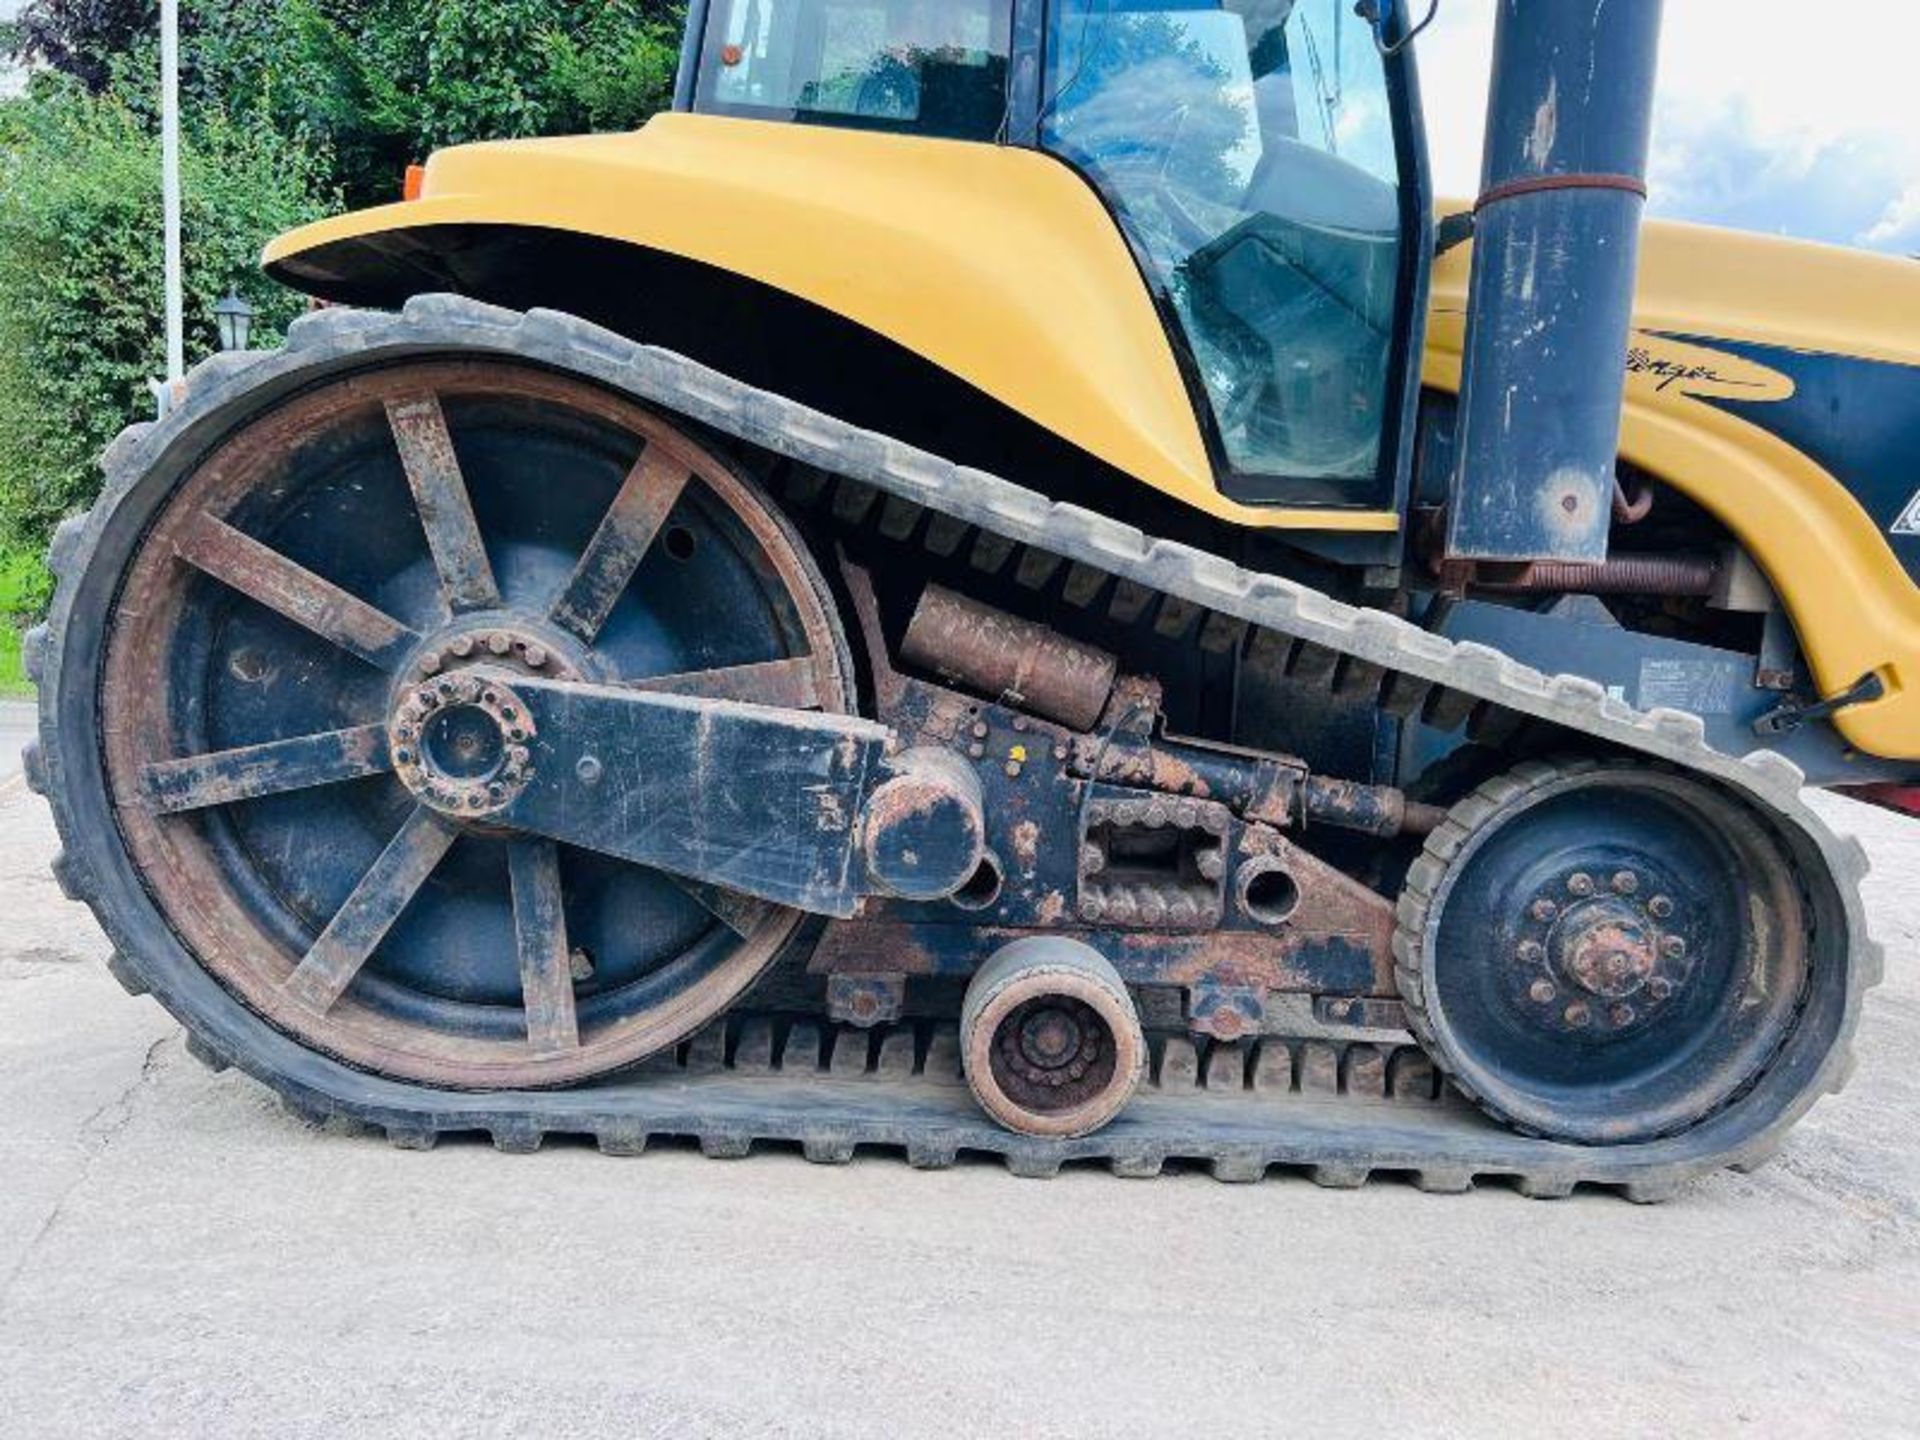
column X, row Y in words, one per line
column 1795, row 713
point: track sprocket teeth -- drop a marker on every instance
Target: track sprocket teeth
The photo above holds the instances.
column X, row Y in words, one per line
column 123, row 972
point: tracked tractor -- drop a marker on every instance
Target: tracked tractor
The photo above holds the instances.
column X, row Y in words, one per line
column 1005, row 579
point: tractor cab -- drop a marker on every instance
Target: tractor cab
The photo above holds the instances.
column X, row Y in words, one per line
column 1261, row 157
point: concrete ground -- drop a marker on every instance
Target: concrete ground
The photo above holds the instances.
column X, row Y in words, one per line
column 180, row 1256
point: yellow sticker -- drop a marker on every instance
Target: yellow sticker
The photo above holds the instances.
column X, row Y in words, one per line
column 1019, row 752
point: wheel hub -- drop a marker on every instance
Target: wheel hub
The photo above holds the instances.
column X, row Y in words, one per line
column 1600, row 955
column 460, row 744
column 1051, row 1043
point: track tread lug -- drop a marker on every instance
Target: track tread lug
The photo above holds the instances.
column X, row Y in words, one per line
column 516, row 1137
column 726, row 1146
column 1032, row 1164
column 1244, row 1168
column 211, row 1058
column 624, row 1141
column 412, row 1137
column 125, row 975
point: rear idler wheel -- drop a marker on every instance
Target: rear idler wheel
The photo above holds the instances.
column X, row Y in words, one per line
column 302, row 766
column 1050, row 1039
column 1604, row 953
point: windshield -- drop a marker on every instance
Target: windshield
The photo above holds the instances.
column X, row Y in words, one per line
column 1248, row 147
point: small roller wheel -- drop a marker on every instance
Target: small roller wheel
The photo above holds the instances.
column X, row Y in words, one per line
column 1050, row 1038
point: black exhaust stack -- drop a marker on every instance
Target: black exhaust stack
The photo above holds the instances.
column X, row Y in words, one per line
column 1557, row 243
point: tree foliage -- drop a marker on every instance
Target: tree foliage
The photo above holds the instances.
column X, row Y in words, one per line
column 81, row 277
column 291, row 108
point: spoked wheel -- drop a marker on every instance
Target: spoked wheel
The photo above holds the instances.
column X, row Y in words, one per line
column 292, row 745
column 1603, row 953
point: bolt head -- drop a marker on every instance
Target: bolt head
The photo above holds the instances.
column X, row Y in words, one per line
column 1543, row 909
column 1577, row 1014
column 1673, row 947
column 1531, row 952
column 1660, row 907
column 1660, row 987
column 1625, row 882
column 1580, row 883
column 1542, row 992
column 1621, row 1015
column 499, row 644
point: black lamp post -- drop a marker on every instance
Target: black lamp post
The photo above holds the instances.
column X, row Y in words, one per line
column 235, row 318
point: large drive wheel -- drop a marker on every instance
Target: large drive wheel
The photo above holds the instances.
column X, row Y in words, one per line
column 328, row 571
column 1603, row 953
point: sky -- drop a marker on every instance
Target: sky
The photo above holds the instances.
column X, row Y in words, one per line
column 1785, row 116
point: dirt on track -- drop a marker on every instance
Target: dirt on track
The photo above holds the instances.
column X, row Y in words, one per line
column 179, row 1255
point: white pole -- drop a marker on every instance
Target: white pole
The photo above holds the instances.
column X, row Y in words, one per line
column 170, row 186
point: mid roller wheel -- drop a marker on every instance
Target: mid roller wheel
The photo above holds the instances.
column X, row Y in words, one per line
column 303, row 767
column 1603, row 953
column 1050, row 1039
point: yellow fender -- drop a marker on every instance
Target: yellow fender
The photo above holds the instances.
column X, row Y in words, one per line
column 999, row 265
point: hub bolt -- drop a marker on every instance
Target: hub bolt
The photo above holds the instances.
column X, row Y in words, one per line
column 1580, row 883
column 1621, row 1015
column 1660, row 907
column 1531, row 952
column 1626, row 882
column 1577, row 1014
column 499, row 644
column 1660, row 987
column 1673, row 947
column 1544, row 909
column 1542, row 992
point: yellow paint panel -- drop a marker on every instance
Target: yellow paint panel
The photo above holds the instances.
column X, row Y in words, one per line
column 1852, row 602
column 998, row 264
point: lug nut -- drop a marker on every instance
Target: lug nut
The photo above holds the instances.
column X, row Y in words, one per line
column 1544, row 909
column 536, row 656
column 1660, row 987
column 1626, row 882
column 1531, row 952
column 1660, row 907
column 1673, row 947
column 1542, row 992
column 499, row 644
column 1580, row 883
column 1621, row 1015
column 1577, row 1014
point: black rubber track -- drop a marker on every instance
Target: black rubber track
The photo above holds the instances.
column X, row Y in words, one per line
column 828, row 1115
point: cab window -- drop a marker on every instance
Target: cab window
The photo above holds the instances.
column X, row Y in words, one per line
column 1248, row 148
column 919, row 67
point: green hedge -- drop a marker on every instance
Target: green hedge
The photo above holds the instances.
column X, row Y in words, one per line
column 81, row 287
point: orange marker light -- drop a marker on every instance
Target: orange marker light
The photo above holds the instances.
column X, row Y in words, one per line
column 732, row 54
column 415, row 182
